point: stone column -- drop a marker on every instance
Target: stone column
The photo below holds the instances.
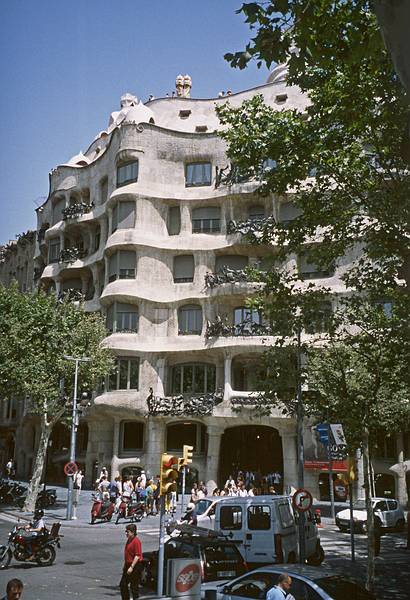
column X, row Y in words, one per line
column 95, row 271
column 109, row 212
column 290, row 462
column 104, row 232
column 161, row 366
column 227, row 377
column 115, row 447
column 155, row 445
column 212, row 457
column 106, row 271
column 401, row 491
column 186, row 225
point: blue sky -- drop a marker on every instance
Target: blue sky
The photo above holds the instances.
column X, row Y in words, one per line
column 64, row 66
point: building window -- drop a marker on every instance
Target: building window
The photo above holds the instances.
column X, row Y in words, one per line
column 126, row 375
column 256, row 212
column 197, row 174
column 231, row 261
column 127, row 173
column 206, row 219
column 184, row 268
column 123, row 215
column 58, row 208
column 245, row 319
column 190, row 320
column 288, row 211
column 318, row 321
column 191, row 434
column 193, row 379
column 308, row 269
column 174, row 220
column 104, row 190
column 97, row 238
column 122, row 265
column 54, row 250
column 122, row 318
column 132, row 436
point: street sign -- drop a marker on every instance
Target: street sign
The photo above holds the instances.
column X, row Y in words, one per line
column 70, row 468
column 302, row 500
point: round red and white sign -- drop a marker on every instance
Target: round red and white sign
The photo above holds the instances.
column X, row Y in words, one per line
column 187, row 578
column 302, row 500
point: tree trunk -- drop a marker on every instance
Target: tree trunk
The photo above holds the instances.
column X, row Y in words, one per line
column 35, row 481
column 369, row 509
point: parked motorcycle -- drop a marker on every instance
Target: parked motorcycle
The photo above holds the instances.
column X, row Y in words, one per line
column 130, row 509
column 101, row 509
column 42, row 547
column 45, row 498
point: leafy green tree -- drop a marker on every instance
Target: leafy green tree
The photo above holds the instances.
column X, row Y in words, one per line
column 343, row 161
column 36, row 332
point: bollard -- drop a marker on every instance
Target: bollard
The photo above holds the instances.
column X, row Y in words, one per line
column 318, row 517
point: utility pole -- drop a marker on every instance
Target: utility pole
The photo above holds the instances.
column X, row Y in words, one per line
column 301, row 451
column 74, row 426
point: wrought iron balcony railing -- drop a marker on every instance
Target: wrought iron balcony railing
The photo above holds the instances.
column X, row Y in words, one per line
column 76, row 210
column 222, row 328
column 250, row 227
column 72, row 294
column 72, row 254
column 183, row 404
column 225, row 275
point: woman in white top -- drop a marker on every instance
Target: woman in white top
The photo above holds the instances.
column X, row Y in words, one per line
column 127, row 488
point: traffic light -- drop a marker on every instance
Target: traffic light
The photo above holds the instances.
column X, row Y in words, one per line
column 187, row 454
column 169, row 473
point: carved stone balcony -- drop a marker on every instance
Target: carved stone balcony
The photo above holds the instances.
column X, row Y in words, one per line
column 226, row 275
column 194, row 405
column 76, row 210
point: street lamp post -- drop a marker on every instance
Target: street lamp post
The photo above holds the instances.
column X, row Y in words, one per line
column 301, row 450
column 74, row 426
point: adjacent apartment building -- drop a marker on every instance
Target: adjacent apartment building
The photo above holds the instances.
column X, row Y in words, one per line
column 142, row 228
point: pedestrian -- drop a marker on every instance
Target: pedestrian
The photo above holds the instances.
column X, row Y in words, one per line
column 103, row 473
column 77, row 485
column 127, row 488
column 9, row 468
column 281, row 589
column 14, row 590
column 194, row 493
column 130, row 571
column 103, row 488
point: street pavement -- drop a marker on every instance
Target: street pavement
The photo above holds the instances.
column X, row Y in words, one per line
column 88, row 565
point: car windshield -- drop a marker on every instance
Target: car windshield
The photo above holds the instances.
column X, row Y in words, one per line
column 340, row 588
column 222, row 552
column 202, row 506
column 359, row 505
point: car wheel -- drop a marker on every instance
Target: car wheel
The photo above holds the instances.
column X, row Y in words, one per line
column 318, row 557
column 400, row 525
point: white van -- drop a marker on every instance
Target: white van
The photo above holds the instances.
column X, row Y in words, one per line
column 263, row 526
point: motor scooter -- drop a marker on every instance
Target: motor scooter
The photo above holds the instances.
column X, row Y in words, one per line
column 101, row 509
column 130, row 509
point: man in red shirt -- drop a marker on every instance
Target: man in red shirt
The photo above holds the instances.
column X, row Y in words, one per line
column 132, row 556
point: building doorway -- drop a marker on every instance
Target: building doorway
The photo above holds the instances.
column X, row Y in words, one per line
column 256, row 448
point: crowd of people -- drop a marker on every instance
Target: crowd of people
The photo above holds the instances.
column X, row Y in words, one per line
column 249, row 483
column 139, row 489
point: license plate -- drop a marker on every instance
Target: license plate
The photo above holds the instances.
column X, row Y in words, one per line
column 226, row 573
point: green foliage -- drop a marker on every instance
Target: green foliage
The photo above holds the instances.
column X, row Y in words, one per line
column 36, row 332
column 352, row 131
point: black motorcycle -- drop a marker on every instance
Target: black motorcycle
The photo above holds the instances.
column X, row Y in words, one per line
column 45, row 498
column 42, row 547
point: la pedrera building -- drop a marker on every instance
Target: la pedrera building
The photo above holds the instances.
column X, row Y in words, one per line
column 143, row 227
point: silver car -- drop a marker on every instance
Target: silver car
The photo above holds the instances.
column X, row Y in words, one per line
column 386, row 510
column 308, row 583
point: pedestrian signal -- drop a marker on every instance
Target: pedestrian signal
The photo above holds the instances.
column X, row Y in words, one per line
column 187, row 454
column 169, row 473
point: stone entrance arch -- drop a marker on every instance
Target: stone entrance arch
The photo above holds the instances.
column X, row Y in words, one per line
column 256, row 448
